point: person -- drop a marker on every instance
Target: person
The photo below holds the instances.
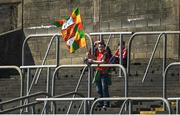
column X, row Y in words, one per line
column 115, row 58
column 102, row 78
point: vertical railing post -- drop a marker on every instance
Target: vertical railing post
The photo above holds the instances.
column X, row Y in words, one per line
column 89, row 86
column 130, row 107
column 85, row 107
column 164, row 51
column 177, row 107
column 47, row 89
column 27, row 87
column 57, row 51
column 120, row 51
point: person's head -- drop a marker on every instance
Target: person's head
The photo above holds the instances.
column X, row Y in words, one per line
column 101, row 47
column 123, row 44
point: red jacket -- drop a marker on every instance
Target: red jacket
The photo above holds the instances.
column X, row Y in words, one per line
column 99, row 57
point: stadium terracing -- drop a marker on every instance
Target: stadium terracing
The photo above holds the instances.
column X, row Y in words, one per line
column 146, row 86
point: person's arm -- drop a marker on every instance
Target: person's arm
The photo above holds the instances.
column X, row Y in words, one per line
column 95, row 61
column 98, row 62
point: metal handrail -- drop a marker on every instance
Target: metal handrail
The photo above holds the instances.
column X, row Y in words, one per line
column 20, row 99
column 93, row 65
column 46, row 35
column 67, row 99
column 77, row 86
column 47, row 51
column 108, row 33
column 177, row 102
column 154, row 50
column 19, row 107
column 35, row 79
column 23, row 97
column 29, row 86
column 20, row 74
column 38, row 71
column 165, row 74
column 10, row 31
column 144, row 33
column 130, row 99
column 34, row 35
column 60, row 96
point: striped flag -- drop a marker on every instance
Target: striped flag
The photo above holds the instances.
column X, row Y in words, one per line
column 72, row 31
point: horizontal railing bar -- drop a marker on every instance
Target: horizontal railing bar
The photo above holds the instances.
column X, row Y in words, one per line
column 20, row 107
column 38, row 66
column 23, row 97
column 68, row 94
column 65, row 99
column 132, row 98
column 108, row 33
column 173, row 98
column 92, row 65
column 10, row 31
column 156, row 32
column 43, row 35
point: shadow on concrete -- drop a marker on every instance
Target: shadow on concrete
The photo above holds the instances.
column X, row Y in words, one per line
column 11, row 51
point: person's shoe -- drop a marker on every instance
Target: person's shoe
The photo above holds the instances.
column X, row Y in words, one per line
column 105, row 107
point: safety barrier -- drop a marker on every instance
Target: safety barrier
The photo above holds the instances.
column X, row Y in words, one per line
column 130, row 99
column 89, row 77
column 32, row 104
column 165, row 74
column 177, row 103
column 160, row 33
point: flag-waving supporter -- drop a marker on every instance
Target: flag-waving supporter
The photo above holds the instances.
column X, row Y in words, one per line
column 102, row 78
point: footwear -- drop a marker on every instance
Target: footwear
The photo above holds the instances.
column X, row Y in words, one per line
column 104, row 107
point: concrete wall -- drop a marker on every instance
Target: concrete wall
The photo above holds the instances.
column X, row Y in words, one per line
column 11, row 15
column 10, row 47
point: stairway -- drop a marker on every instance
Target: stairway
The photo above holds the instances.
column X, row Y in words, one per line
column 67, row 81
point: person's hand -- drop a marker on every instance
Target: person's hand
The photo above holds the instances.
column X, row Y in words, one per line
column 90, row 60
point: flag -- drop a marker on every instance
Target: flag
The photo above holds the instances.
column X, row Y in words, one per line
column 72, row 31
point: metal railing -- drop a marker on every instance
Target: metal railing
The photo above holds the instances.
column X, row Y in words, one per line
column 177, row 103
column 130, row 99
column 29, row 84
column 54, row 36
column 89, row 82
column 21, row 99
column 50, row 43
column 10, row 31
column 84, row 100
column 76, row 88
column 160, row 33
column 44, row 110
column 164, row 76
column 20, row 75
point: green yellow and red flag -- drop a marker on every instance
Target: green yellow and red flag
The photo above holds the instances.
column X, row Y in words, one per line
column 72, row 30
